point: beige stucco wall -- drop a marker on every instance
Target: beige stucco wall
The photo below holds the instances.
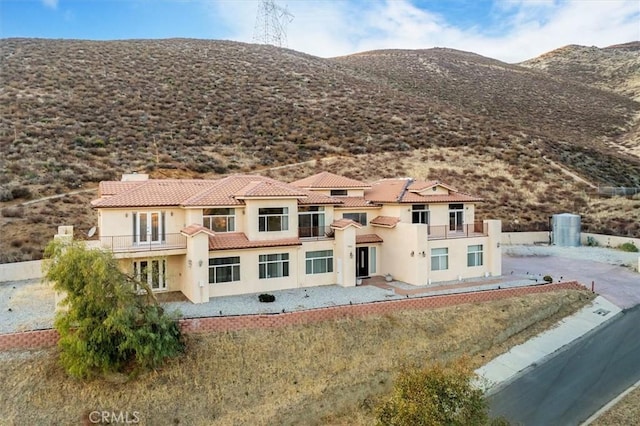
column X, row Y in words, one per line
column 312, row 280
column 250, row 281
column 117, row 222
column 371, row 212
column 249, row 272
column 458, row 268
column 395, row 256
column 345, row 256
column 195, row 272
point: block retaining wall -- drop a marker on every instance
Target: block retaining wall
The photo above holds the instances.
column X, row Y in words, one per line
column 45, row 338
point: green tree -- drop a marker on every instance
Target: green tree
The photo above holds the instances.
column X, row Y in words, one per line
column 107, row 326
column 434, row 396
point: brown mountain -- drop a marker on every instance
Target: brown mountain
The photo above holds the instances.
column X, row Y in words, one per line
column 74, row 112
column 615, row 68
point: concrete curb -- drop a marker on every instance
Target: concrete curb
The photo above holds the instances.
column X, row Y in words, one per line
column 610, row 404
column 520, row 359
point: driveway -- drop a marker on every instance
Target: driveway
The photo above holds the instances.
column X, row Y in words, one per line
column 619, row 284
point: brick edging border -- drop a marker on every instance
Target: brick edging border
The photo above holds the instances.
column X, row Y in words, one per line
column 46, row 338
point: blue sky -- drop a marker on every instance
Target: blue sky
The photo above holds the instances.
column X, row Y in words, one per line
column 509, row 30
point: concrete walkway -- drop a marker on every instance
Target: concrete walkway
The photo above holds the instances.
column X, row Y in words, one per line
column 503, row 369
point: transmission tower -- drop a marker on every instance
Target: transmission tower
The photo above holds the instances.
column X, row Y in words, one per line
column 271, row 24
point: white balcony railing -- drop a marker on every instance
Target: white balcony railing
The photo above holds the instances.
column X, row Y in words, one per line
column 128, row 243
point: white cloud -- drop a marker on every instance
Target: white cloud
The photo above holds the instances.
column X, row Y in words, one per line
column 519, row 29
column 53, row 4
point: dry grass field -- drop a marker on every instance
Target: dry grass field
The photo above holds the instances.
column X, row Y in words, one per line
column 333, row 372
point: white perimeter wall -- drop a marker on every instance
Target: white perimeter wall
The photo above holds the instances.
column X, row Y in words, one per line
column 19, row 271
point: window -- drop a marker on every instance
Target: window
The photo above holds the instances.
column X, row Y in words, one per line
column 224, row 269
column 273, row 265
column 219, row 220
column 372, row 260
column 361, row 218
column 420, row 213
column 439, row 259
column 273, row 219
column 474, row 255
column 148, row 227
column 339, row 192
column 319, row 262
column 310, row 221
column 151, row 271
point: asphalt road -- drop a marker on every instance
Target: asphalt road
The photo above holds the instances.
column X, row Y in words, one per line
column 568, row 388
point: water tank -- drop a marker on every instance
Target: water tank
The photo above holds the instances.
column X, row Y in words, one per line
column 566, row 230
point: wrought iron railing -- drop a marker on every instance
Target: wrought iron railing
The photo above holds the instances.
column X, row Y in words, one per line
column 131, row 243
column 468, row 230
column 315, row 232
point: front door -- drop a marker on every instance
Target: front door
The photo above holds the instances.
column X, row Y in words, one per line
column 362, row 261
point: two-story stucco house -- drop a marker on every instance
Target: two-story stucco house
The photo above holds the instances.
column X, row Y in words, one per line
column 247, row 234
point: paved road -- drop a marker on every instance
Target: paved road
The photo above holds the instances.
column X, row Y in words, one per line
column 573, row 385
column 618, row 284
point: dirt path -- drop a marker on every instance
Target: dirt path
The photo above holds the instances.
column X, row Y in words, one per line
column 570, row 173
column 52, row 197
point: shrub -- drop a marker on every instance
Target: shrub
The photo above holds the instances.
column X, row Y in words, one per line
column 5, row 194
column 548, row 278
column 13, row 212
column 592, row 242
column 21, row 192
column 266, row 298
column 628, row 246
column 435, row 395
column 107, row 327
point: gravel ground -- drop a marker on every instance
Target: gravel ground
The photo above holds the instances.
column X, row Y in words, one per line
column 324, row 296
column 29, row 305
column 26, row 305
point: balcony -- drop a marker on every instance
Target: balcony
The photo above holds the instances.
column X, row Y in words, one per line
column 445, row 232
column 128, row 243
column 315, row 232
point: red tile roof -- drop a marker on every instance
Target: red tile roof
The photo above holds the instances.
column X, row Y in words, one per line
column 166, row 192
column 385, row 221
column 401, row 191
column 238, row 240
column 326, row 180
column 195, row 229
column 344, row 223
column 368, row 239
column 228, row 191
column 260, row 189
column 353, row 202
column 231, row 191
column 421, row 185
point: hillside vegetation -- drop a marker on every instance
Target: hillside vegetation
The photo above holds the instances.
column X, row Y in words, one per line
column 73, row 113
